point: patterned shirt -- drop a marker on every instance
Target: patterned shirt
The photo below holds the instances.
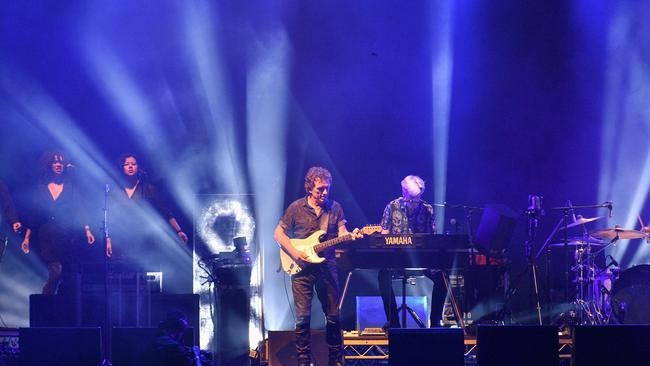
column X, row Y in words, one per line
column 401, row 217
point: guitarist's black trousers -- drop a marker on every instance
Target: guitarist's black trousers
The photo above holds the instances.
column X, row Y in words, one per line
column 323, row 278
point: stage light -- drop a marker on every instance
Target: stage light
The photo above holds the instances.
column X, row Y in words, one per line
column 441, row 81
column 624, row 157
column 267, row 92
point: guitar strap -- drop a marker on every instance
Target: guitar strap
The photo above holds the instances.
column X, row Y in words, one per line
column 325, row 220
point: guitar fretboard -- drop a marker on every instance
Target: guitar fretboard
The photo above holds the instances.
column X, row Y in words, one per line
column 328, row 243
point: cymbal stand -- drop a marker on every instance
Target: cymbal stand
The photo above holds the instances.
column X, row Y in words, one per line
column 566, row 210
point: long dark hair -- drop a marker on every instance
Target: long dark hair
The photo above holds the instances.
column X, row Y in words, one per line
column 142, row 174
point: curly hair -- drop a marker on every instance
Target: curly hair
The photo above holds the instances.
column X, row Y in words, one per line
column 46, row 160
column 314, row 173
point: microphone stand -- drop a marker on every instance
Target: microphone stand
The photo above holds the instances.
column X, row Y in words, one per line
column 533, row 223
column 107, row 299
column 468, row 210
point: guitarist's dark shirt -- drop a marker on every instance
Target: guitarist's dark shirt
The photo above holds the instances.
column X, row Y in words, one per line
column 300, row 220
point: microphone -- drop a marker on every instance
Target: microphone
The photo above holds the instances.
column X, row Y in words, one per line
column 534, row 209
column 609, row 205
column 107, row 188
column 534, row 202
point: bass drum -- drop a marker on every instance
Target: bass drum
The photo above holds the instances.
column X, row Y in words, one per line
column 630, row 298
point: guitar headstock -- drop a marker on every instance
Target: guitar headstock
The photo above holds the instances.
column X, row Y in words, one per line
column 371, row 229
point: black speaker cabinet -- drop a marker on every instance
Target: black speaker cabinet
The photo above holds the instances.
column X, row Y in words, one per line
column 60, row 346
column 611, row 345
column 427, row 346
column 504, row 345
column 281, row 348
column 126, row 310
column 54, row 311
column 131, row 346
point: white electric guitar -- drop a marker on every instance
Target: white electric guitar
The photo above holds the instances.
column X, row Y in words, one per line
column 312, row 246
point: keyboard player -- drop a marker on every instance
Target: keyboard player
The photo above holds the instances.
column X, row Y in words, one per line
column 410, row 214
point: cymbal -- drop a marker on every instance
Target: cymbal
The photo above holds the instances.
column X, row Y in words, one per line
column 614, row 232
column 581, row 221
column 580, row 241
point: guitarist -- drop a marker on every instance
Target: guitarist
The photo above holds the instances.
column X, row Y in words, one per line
column 302, row 218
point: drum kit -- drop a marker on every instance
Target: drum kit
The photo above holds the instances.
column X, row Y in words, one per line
column 602, row 292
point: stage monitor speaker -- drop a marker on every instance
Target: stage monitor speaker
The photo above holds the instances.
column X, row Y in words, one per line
column 60, row 346
column 426, row 347
column 495, row 228
column 281, row 348
column 611, row 345
column 505, row 345
column 131, row 346
column 66, row 311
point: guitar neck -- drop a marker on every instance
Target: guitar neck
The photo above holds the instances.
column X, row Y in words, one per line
column 329, row 243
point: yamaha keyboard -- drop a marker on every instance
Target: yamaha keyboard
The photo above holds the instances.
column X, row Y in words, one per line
column 406, row 251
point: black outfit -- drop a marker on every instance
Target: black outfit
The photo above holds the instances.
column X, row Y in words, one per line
column 7, row 210
column 132, row 231
column 401, row 218
column 57, row 227
column 299, row 221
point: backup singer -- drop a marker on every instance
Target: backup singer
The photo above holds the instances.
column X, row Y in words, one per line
column 131, row 227
column 410, row 214
column 302, row 218
column 56, row 220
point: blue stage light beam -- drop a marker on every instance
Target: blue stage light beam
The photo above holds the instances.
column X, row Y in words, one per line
column 31, row 104
column 267, row 90
column 441, row 81
column 625, row 171
column 212, row 87
column 22, row 277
